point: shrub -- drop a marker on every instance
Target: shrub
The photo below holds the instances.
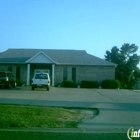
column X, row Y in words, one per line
column 110, row 84
column 68, row 83
column 106, row 84
column 115, row 84
column 89, row 84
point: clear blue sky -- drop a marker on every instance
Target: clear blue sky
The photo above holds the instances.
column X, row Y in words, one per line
column 91, row 25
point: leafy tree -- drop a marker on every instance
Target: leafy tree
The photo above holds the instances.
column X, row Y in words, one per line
column 127, row 71
column 137, row 74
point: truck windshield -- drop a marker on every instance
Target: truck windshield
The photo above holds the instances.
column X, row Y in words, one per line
column 41, row 76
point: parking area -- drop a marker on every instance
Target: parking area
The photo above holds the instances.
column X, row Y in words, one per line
column 72, row 94
column 119, row 109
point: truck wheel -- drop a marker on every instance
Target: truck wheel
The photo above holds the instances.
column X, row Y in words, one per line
column 8, row 86
column 48, row 88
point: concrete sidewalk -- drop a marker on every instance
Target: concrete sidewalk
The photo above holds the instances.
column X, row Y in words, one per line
column 120, row 112
column 119, row 109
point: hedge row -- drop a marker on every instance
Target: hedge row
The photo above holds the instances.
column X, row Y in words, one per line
column 106, row 84
column 110, row 84
column 89, row 84
column 68, row 84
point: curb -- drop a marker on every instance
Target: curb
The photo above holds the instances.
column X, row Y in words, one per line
column 66, row 130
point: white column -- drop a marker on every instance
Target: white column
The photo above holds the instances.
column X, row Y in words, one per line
column 28, row 75
column 53, row 74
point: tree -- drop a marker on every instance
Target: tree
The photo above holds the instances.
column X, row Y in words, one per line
column 127, row 71
column 137, row 74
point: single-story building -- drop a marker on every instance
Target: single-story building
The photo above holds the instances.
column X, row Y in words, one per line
column 76, row 65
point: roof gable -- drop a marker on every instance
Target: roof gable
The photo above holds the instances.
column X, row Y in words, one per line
column 40, row 57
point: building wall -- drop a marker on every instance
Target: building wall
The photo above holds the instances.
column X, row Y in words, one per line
column 98, row 73
column 59, row 73
column 23, row 73
column 3, row 67
column 58, row 78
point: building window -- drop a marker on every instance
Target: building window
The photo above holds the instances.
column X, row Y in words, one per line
column 74, row 74
column 65, row 73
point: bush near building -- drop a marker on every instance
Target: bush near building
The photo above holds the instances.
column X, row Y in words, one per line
column 89, row 84
column 68, row 84
column 110, row 84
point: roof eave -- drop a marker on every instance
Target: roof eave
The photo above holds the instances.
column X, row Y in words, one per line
column 12, row 63
column 113, row 65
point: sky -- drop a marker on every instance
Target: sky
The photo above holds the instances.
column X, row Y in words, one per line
column 91, row 25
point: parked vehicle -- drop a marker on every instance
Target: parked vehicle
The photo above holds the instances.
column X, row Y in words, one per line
column 7, row 79
column 41, row 80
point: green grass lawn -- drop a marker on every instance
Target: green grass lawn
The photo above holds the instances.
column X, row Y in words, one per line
column 13, row 116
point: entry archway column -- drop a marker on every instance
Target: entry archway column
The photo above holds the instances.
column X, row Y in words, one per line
column 28, row 75
column 53, row 74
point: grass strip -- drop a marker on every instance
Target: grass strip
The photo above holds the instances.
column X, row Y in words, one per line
column 13, row 116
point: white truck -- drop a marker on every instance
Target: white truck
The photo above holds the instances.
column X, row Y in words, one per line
column 41, row 80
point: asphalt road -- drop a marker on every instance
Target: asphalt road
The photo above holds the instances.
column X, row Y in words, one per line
column 60, row 136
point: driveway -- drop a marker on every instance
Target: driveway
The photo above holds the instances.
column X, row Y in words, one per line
column 119, row 109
